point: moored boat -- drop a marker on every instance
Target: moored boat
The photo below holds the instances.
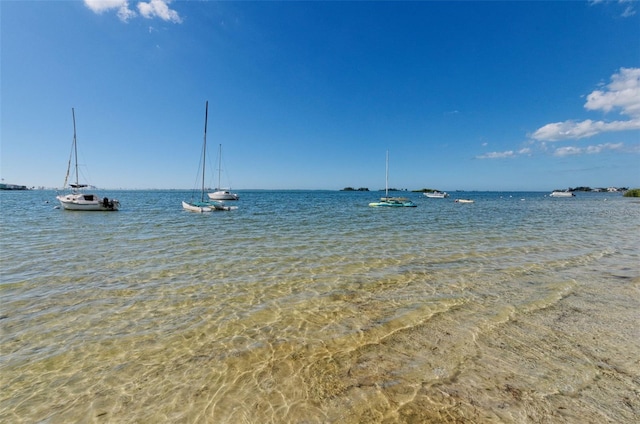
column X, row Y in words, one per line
column 87, row 202
column 206, row 206
column 203, row 205
column 222, row 193
column 436, row 194
column 76, row 200
column 562, row 194
column 387, row 201
column 394, row 202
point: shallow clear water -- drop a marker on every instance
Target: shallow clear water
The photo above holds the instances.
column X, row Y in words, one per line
column 311, row 307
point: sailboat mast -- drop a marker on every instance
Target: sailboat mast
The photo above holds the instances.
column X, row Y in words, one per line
column 386, row 178
column 204, row 146
column 219, row 165
column 75, row 145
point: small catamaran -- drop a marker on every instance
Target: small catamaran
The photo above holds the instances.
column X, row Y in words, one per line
column 76, row 200
column 205, row 205
column 387, row 201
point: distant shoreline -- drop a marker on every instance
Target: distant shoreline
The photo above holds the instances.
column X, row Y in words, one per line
column 595, row 190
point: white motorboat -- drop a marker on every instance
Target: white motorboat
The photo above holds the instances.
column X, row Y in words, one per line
column 87, row 202
column 436, row 194
column 76, row 200
column 562, row 194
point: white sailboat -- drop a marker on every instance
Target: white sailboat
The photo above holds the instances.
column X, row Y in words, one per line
column 222, row 193
column 204, row 205
column 76, row 200
column 387, row 201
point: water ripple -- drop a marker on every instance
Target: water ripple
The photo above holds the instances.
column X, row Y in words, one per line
column 310, row 312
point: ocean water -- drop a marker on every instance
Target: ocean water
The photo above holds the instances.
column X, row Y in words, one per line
column 311, row 307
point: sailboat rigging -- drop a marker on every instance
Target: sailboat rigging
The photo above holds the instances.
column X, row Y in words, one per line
column 77, row 201
column 391, row 201
column 205, row 205
column 222, row 193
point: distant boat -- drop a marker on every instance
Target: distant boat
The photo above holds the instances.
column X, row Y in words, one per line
column 464, row 201
column 436, row 194
column 220, row 193
column 76, row 200
column 387, row 201
column 205, row 205
column 562, row 194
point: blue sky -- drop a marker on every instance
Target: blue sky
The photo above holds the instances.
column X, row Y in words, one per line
column 310, row 95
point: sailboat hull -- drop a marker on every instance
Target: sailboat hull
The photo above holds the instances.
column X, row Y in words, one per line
column 214, row 204
column 393, row 204
column 201, row 207
column 87, row 202
column 76, row 200
column 223, row 195
column 193, row 207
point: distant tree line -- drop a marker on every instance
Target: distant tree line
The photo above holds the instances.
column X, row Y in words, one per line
column 629, row 193
column 366, row 189
column 354, row 189
column 598, row 189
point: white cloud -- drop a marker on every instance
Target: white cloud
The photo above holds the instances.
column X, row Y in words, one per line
column 124, row 13
column 159, row 8
column 122, row 7
column 576, row 130
column 497, row 155
column 627, row 4
column 563, row 151
column 623, row 94
column 100, row 6
column 628, row 8
column 602, row 147
column 149, row 10
column 572, row 150
column 567, row 151
column 505, row 154
column 524, row 151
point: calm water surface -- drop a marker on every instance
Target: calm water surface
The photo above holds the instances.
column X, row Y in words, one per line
column 311, row 307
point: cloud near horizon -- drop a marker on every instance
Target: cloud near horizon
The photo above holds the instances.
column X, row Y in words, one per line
column 589, row 150
column 149, row 10
column 506, row 154
column 622, row 93
column 561, row 151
